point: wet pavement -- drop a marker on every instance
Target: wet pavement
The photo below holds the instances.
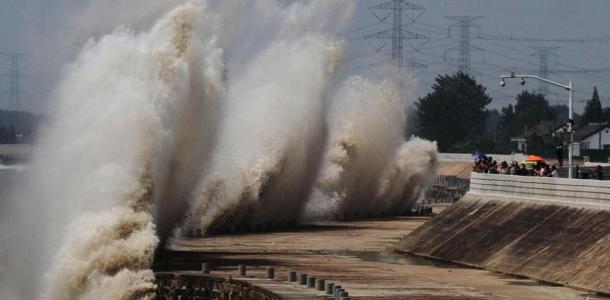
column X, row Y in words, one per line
column 361, row 257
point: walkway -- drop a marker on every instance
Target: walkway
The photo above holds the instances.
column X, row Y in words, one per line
column 359, row 256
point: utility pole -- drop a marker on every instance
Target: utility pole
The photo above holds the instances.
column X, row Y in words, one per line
column 398, row 10
column 570, row 124
column 15, row 75
column 543, row 54
column 464, row 47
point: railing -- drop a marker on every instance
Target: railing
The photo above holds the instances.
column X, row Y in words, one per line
column 452, row 181
column 573, row 192
column 446, row 189
column 468, row 157
column 198, row 287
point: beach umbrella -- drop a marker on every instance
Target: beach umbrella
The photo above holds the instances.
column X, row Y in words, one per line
column 534, row 158
column 478, row 155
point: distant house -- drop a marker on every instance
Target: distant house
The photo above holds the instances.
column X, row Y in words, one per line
column 547, row 128
column 521, row 144
column 595, row 136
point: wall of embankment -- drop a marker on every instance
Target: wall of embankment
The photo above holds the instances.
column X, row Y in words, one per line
column 550, row 229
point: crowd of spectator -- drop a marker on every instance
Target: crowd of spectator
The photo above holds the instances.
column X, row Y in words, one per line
column 488, row 165
column 596, row 173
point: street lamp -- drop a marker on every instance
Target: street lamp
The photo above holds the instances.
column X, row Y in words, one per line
column 568, row 87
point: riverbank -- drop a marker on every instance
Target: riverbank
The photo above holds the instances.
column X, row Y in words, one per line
column 361, row 257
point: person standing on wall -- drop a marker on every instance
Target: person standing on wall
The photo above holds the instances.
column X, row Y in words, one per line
column 559, row 154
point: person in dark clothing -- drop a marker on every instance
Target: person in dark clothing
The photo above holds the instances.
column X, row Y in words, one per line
column 599, row 172
column 559, row 153
column 584, row 174
column 523, row 171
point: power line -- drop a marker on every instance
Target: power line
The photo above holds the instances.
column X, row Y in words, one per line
column 464, row 23
column 569, row 70
column 363, row 27
column 397, row 9
column 15, row 76
column 599, row 39
column 543, row 54
column 492, row 39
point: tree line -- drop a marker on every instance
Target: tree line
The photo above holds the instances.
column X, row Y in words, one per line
column 456, row 115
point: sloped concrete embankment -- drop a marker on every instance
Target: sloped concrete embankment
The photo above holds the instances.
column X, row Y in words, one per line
column 555, row 230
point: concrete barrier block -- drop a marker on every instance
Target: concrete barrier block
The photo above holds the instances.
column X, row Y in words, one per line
column 270, row 272
column 338, row 293
column 330, row 288
column 205, row 268
column 320, row 284
column 336, row 289
column 311, row 282
column 292, row 276
column 241, row 269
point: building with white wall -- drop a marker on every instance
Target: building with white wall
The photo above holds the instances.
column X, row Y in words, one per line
column 594, row 136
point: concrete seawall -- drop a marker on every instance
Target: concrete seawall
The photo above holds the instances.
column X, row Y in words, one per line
column 555, row 230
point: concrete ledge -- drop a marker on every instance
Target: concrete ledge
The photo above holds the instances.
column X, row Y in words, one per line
column 469, row 158
column 506, row 224
column 572, row 192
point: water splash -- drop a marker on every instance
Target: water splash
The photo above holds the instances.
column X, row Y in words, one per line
column 127, row 109
column 223, row 116
column 367, row 164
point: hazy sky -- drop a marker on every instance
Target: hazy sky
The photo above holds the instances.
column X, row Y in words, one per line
column 550, row 19
column 50, row 32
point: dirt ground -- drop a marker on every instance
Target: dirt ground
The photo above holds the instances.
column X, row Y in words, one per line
column 360, row 256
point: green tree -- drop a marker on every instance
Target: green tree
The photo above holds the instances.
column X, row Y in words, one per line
column 530, row 111
column 507, row 128
column 454, row 113
column 593, row 111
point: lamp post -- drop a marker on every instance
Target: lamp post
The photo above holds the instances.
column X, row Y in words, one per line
column 568, row 87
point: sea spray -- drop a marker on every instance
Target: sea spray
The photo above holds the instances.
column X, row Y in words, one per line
column 270, row 139
column 224, row 116
column 365, row 127
column 121, row 122
column 369, row 170
column 194, row 123
column 408, row 175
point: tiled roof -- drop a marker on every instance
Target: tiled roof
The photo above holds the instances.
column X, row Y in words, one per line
column 589, row 130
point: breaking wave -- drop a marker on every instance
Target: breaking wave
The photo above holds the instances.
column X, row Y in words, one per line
column 224, row 116
column 369, row 169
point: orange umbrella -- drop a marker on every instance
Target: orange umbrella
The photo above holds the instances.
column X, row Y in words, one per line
column 534, row 158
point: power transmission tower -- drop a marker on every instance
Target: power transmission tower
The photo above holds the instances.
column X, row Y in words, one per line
column 397, row 9
column 543, row 54
column 15, row 75
column 464, row 47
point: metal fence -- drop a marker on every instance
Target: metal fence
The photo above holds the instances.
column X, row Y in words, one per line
column 199, row 287
column 446, row 189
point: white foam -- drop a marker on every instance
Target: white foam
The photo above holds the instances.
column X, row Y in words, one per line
column 221, row 115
